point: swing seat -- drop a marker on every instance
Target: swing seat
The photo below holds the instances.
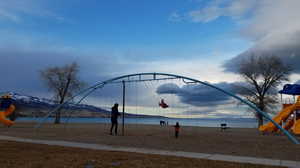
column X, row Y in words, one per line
column 163, row 104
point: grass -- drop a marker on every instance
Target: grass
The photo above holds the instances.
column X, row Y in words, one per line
column 27, row 155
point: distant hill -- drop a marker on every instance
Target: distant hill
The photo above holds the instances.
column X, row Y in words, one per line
column 30, row 106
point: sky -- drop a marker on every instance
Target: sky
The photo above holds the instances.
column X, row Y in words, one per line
column 201, row 39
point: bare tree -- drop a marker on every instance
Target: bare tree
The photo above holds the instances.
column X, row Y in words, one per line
column 262, row 75
column 63, row 81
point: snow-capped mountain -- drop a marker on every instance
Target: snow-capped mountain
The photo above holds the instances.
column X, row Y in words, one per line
column 37, row 107
column 26, row 102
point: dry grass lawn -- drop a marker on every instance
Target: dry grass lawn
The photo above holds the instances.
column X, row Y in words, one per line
column 26, row 155
column 235, row 141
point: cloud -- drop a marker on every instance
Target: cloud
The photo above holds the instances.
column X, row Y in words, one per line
column 26, row 55
column 205, row 15
column 16, row 11
column 9, row 16
column 21, row 60
column 168, row 88
column 297, row 82
column 175, row 17
column 198, row 94
column 235, row 9
column 221, row 111
column 274, row 29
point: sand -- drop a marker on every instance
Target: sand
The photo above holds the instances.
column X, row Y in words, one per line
column 234, row 141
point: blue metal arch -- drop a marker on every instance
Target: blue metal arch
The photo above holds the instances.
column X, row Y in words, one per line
column 86, row 92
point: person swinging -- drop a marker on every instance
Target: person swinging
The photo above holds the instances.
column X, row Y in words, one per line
column 162, row 104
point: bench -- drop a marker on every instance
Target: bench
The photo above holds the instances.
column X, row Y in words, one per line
column 162, row 123
column 224, row 126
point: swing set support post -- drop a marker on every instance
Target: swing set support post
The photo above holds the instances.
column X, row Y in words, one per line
column 123, row 124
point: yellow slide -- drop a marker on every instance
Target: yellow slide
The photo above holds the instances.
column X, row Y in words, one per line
column 282, row 116
column 296, row 128
column 5, row 113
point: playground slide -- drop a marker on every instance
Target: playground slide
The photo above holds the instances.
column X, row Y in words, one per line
column 5, row 113
column 296, row 128
column 282, row 116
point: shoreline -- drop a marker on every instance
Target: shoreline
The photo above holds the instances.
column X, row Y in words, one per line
column 198, row 122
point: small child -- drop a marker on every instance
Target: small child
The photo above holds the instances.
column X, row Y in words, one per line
column 177, row 127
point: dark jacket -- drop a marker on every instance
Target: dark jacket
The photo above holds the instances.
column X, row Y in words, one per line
column 114, row 113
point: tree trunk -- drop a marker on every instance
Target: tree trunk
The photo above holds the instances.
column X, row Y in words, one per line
column 57, row 117
column 260, row 120
column 62, row 99
column 259, row 116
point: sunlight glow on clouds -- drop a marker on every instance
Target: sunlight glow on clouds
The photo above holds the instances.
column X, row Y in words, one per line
column 198, row 69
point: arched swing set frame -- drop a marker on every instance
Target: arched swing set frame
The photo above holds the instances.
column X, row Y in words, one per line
column 143, row 77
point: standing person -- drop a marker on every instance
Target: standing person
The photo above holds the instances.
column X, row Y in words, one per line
column 114, row 118
column 177, row 128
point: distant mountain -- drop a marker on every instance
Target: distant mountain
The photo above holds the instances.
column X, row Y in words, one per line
column 37, row 107
column 30, row 106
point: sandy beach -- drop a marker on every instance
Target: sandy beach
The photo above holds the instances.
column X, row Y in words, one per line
column 234, row 141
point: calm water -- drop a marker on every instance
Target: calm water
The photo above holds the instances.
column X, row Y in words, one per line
column 203, row 122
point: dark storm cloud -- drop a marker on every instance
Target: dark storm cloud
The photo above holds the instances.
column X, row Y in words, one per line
column 274, row 29
column 288, row 54
column 168, row 88
column 20, row 68
column 199, row 95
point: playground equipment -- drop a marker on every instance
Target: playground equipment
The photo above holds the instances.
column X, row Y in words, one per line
column 289, row 116
column 142, row 77
column 6, row 108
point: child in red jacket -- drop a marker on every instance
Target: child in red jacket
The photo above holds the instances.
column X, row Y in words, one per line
column 177, row 128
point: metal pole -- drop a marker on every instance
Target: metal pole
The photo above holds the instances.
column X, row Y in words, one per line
column 123, row 124
column 294, row 99
column 295, row 119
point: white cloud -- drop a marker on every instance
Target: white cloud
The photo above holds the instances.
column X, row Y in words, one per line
column 205, row 15
column 274, row 28
column 9, row 16
column 235, row 9
column 16, row 10
column 200, row 69
column 175, row 17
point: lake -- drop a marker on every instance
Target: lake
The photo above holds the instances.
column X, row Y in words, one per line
column 202, row 122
